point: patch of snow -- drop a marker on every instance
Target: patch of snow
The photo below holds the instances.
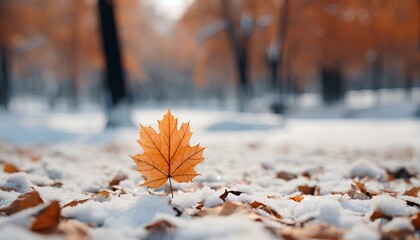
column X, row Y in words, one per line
column 210, row 227
column 363, row 168
column 391, row 206
column 18, row 181
column 13, row 232
column 123, row 211
column 362, row 231
column 397, row 224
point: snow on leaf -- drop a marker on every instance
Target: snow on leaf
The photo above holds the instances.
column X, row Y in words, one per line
column 167, row 154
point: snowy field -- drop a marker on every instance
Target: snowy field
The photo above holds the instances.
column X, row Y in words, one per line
column 292, row 178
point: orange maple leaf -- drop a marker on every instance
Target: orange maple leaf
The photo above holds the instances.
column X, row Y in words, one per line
column 168, row 154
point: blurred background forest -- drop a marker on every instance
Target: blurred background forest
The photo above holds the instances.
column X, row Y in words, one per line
column 248, row 55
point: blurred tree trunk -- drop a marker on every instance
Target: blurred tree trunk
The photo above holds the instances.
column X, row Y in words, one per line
column 275, row 55
column 116, row 94
column 377, row 74
column 4, row 78
column 332, row 84
column 239, row 44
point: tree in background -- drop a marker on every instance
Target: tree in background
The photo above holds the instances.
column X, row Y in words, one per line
column 275, row 58
column 116, row 93
column 4, row 62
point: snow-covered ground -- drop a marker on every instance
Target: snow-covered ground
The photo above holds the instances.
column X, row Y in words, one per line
column 288, row 177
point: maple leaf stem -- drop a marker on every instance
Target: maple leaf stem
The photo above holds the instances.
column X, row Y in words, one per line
column 170, row 187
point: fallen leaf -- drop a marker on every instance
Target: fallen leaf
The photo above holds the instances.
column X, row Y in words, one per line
column 10, row 168
column 159, row 229
column 406, row 234
column 167, row 155
column 286, row 175
column 158, row 225
column 75, row 203
column 115, row 181
column 101, row 195
column 48, row 218
column 200, row 206
column 378, row 214
column 415, row 220
column 56, row 184
column 178, row 210
column 307, row 174
column 296, row 198
column 318, row 231
column 229, row 208
column 73, row 230
column 413, row 192
column 305, row 189
column 364, row 190
column 22, row 202
column 226, row 193
column 401, row 173
column 7, row 189
column 35, row 158
column 266, row 209
column 122, row 192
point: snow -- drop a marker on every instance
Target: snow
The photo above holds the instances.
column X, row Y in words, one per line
column 124, row 211
column 18, row 181
column 362, row 231
column 398, row 224
column 392, row 206
column 362, row 168
column 68, row 157
column 210, row 227
column 11, row 232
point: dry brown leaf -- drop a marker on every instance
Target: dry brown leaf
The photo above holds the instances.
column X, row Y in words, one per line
column 405, row 234
column 226, row 193
column 159, row 229
column 364, row 190
column 159, row 225
column 99, row 196
column 168, row 154
column 7, row 189
column 56, row 184
column 266, row 209
column 378, row 214
column 296, row 198
column 122, row 192
column 48, row 218
column 415, row 220
column 413, row 192
column 199, row 206
column 319, row 231
column 22, row 202
column 73, row 230
column 305, row 189
column 75, row 202
column 401, row 173
column 307, row 174
column 229, row 208
column 115, row 181
column 286, row 175
column 10, row 168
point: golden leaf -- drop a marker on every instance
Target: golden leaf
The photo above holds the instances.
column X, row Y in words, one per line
column 168, row 154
